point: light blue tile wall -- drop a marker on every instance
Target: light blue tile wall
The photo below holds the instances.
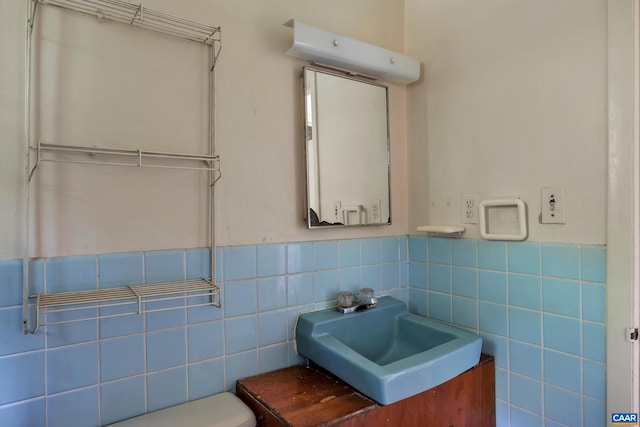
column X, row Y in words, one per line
column 540, row 309
column 120, row 367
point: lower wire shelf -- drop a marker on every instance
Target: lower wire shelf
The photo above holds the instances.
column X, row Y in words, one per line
column 134, row 299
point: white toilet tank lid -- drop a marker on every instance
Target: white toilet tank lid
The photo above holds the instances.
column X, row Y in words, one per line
column 220, row 410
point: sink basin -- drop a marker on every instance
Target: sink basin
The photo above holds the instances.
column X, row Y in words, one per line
column 386, row 353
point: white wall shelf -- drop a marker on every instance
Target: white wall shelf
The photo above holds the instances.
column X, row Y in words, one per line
column 135, row 299
column 124, row 157
column 443, row 230
column 140, row 16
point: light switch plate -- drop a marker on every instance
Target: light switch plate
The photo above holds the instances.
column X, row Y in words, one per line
column 552, row 205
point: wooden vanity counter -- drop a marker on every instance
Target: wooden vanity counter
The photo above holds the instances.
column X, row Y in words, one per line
column 302, row 396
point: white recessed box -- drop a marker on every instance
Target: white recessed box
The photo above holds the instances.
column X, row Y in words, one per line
column 503, row 219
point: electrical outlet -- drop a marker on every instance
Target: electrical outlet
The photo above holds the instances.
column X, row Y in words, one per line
column 469, row 208
column 337, row 212
column 553, row 205
column 375, row 210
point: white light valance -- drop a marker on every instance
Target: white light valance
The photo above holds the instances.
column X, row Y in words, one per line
column 326, row 48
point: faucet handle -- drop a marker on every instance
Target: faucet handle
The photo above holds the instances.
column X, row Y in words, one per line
column 345, row 299
column 366, row 296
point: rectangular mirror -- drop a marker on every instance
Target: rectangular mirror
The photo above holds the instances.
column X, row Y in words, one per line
column 347, row 150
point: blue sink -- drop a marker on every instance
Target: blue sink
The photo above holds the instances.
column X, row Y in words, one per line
column 386, row 353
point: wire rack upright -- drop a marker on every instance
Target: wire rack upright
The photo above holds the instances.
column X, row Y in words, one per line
column 136, row 298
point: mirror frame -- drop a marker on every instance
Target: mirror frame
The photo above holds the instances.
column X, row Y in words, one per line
column 308, row 137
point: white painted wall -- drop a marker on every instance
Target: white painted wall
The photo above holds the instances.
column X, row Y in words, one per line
column 513, row 99
column 154, row 92
column 11, row 125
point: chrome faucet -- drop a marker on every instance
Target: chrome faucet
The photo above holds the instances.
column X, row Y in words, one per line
column 348, row 303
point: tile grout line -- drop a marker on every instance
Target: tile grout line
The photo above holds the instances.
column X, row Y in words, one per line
column 542, row 342
column 98, row 345
column 46, row 349
column 508, row 328
column 145, row 333
column 256, row 313
column 580, row 311
column 186, row 327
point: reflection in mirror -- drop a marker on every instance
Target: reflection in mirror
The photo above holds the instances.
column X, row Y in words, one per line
column 347, row 149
